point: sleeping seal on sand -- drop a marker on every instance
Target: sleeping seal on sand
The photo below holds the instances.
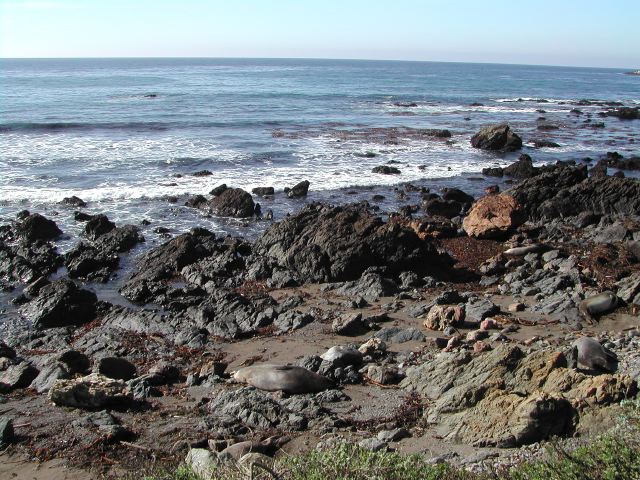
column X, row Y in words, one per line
column 598, row 304
column 524, row 250
column 589, row 353
column 285, row 378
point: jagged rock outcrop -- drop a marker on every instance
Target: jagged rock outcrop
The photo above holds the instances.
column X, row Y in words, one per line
column 323, row 243
column 567, row 192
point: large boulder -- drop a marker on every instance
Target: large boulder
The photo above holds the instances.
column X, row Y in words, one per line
column 493, row 216
column 323, row 243
column 61, row 303
column 232, row 202
column 298, row 190
column 37, row 227
column 497, row 137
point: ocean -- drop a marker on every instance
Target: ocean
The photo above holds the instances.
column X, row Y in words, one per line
column 126, row 135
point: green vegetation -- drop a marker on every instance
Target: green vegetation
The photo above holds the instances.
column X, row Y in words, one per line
column 615, row 456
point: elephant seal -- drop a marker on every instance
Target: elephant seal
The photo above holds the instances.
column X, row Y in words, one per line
column 589, row 353
column 524, row 250
column 285, row 378
column 597, row 305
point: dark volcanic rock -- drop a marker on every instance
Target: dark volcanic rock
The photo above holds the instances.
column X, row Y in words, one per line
column 521, row 169
column 96, row 261
column 545, row 144
column 74, row 202
column 98, row 225
column 386, row 170
column 456, row 195
column 624, row 113
column 497, row 137
column 17, row 376
column 36, row 227
column 440, row 207
column 493, row 171
column 218, row 190
column 232, row 202
column 263, row 191
column 59, row 304
column 299, row 190
column 566, row 191
column 324, row 243
column 27, row 261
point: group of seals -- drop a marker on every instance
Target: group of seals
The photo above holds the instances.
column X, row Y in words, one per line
column 589, row 353
column 284, row 378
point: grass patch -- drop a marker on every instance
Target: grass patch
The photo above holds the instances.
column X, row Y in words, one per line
column 615, row 456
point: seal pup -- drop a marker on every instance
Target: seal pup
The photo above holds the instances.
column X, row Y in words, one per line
column 590, row 353
column 285, row 378
column 597, row 305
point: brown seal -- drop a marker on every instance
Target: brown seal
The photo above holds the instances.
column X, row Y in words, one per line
column 285, row 378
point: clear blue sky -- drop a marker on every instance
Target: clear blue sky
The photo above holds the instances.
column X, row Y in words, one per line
column 554, row 32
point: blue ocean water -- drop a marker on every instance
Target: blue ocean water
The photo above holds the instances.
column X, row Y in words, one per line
column 126, row 134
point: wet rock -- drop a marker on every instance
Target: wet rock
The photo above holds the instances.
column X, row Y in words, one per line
column 493, row 216
column 98, row 225
column 217, row 191
column 36, row 227
column 17, row 376
column 232, row 202
column 456, row 195
column 545, row 144
column 73, row 201
column 91, row 392
column 624, row 113
column 116, row 368
column 323, row 243
column 521, row 169
column 263, row 191
column 497, row 137
column 386, row 170
column 440, row 207
column 61, row 303
column 493, row 172
column 299, row 190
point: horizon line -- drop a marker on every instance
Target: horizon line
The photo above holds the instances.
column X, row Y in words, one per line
column 311, row 58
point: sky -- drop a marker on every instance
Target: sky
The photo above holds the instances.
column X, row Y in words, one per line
column 541, row 32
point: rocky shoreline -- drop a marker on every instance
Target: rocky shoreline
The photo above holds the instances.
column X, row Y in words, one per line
column 453, row 327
